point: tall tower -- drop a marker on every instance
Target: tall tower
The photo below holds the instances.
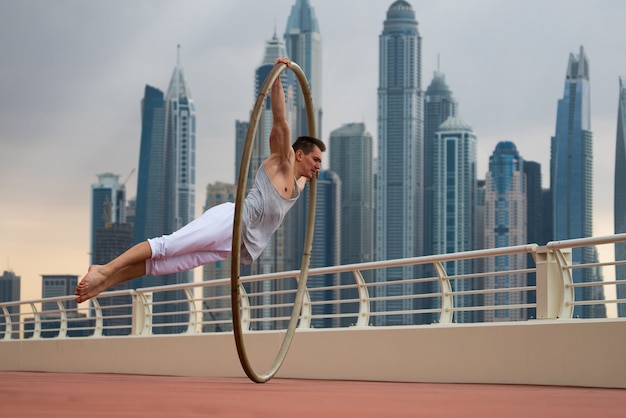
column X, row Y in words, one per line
column 166, row 181
column 153, row 193
column 505, row 226
column 216, row 300
column 454, row 201
column 10, row 285
column 304, row 46
column 536, row 230
column 111, row 235
column 619, row 211
column 351, row 157
column 108, row 206
column 438, row 106
column 571, row 177
column 399, row 187
column 326, row 249
column 182, row 130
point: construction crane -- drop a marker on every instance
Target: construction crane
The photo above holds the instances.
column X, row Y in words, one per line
column 128, row 177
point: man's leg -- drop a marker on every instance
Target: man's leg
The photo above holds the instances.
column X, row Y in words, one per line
column 129, row 265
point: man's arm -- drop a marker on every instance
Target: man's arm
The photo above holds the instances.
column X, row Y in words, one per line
column 279, row 136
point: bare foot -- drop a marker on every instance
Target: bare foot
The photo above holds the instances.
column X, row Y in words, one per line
column 91, row 285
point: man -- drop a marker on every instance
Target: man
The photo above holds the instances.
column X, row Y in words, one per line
column 277, row 186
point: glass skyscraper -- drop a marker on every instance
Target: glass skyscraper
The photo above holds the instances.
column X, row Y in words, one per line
column 619, row 212
column 304, row 46
column 438, row 106
column 111, row 235
column 326, row 249
column 10, row 291
column 166, row 179
column 399, row 183
column 108, row 207
column 571, row 177
column 216, row 302
column 351, row 157
column 454, row 201
column 505, row 226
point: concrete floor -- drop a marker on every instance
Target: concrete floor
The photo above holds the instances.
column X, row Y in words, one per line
column 30, row 394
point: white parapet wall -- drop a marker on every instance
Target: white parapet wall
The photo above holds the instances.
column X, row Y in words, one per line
column 588, row 353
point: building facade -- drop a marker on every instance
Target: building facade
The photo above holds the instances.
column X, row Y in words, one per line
column 303, row 42
column 326, row 249
column 571, row 178
column 10, row 288
column 216, row 299
column 399, row 170
column 505, row 226
column 439, row 105
column 166, row 183
column 351, row 157
column 454, row 202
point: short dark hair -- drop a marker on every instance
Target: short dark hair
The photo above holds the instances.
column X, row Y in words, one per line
column 307, row 143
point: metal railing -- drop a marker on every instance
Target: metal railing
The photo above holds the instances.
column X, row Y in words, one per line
column 508, row 284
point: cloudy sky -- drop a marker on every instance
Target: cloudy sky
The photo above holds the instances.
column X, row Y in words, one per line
column 72, row 74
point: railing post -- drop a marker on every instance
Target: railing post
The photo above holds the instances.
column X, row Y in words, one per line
column 142, row 313
column 36, row 322
column 193, row 314
column 552, row 283
column 245, row 309
column 99, row 324
column 8, row 330
column 364, row 300
column 62, row 320
column 447, row 298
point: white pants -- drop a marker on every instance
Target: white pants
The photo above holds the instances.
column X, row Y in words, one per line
column 206, row 239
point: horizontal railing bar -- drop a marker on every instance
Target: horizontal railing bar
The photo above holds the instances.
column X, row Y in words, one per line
column 490, row 291
column 586, row 242
column 492, row 307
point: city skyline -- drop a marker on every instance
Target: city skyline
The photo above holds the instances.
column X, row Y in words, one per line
column 59, row 129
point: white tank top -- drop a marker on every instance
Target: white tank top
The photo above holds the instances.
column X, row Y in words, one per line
column 263, row 212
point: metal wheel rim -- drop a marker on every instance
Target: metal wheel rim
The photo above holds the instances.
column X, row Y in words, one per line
column 237, row 227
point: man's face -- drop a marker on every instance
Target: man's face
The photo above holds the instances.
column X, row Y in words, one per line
column 311, row 162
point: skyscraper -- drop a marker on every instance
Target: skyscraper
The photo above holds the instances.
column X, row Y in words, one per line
column 216, row 299
column 10, row 285
column 571, row 177
column 111, row 235
column 619, row 211
column 537, row 232
column 454, row 201
column 304, row 46
column 351, row 157
column 505, row 226
column 326, row 249
column 438, row 106
column 108, row 206
column 166, row 180
column 399, row 171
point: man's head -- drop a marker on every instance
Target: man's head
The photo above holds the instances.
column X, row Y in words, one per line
column 308, row 152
